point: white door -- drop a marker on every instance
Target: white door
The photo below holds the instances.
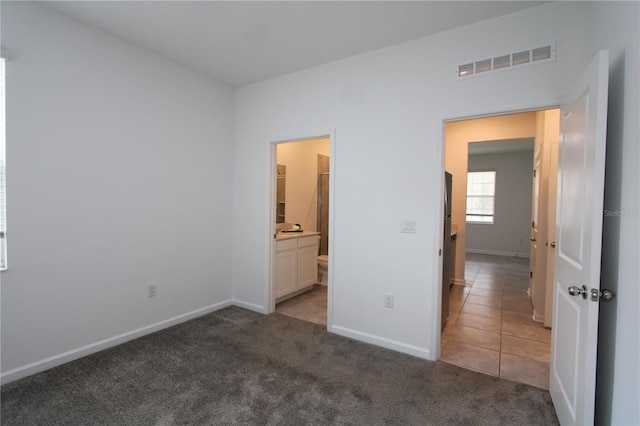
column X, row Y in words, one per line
column 579, row 234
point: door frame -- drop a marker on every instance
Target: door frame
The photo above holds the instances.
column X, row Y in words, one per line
column 269, row 292
column 464, row 113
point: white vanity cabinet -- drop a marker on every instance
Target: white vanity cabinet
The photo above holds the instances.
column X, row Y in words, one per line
column 286, row 267
column 296, row 266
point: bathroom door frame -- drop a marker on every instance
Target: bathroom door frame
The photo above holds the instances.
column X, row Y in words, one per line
column 269, row 294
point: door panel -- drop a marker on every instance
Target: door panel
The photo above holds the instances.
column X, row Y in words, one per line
column 573, row 205
column 567, row 358
column 579, row 226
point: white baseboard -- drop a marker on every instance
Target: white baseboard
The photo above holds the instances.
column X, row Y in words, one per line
column 250, row 306
column 63, row 358
column 459, row 281
column 537, row 317
column 497, row 253
column 385, row 343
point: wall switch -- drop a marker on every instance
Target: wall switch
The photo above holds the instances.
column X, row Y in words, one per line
column 408, row 226
column 388, row 300
column 151, row 290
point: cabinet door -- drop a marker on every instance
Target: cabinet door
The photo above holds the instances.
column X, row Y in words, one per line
column 286, row 271
column 307, row 262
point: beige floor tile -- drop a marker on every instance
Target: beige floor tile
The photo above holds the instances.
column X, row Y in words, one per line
column 472, row 357
column 523, row 317
column 488, row 285
column 310, row 306
column 443, row 343
column 475, row 336
column 453, row 316
column 455, row 306
column 526, row 348
column 486, row 292
column 489, row 278
column 524, row 370
column 457, row 297
column 446, row 331
column 478, row 321
column 487, row 311
column 511, row 291
column 516, row 301
column 525, row 331
column 496, row 302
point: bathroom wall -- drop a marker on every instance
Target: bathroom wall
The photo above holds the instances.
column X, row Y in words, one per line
column 301, row 159
column 324, row 178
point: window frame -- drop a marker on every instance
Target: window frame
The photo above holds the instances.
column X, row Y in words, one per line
column 492, row 196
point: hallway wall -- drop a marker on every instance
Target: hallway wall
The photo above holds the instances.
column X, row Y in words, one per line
column 458, row 136
column 509, row 234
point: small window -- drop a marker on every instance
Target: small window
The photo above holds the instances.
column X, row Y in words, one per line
column 3, row 222
column 481, row 191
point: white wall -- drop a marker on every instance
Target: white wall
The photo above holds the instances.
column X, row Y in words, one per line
column 614, row 26
column 510, row 233
column 301, row 193
column 118, row 176
column 94, row 126
column 387, row 108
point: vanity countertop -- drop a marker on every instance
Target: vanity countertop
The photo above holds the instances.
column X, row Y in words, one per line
column 289, row 235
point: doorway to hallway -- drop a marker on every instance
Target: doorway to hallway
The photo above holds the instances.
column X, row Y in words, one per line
column 499, row 300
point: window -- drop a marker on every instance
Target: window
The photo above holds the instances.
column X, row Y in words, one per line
column 481, row 191
column 3, row 222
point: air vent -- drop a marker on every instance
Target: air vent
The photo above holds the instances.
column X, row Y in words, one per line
column 518, row 59
column 483, row 66
column 501, row 62
column 465, row 69
column 541, row 53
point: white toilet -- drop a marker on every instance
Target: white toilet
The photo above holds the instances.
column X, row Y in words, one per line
column 323, row 267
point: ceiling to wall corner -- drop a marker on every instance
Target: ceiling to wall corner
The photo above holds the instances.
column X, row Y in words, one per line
column 242, row 42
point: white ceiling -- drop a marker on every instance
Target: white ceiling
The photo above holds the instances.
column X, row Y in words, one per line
column 241, row 42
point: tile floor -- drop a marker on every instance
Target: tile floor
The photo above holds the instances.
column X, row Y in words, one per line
column 490, row 327
column 310, row 306
column 489, row 330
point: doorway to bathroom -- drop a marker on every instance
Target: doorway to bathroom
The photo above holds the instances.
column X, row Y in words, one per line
column 301, row 228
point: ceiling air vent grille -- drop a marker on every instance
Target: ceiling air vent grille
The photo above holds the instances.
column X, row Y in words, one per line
column 519, row 59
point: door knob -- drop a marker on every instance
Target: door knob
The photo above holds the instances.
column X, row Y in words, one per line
column 574, row 290
column 553, row 244
column 603, row 294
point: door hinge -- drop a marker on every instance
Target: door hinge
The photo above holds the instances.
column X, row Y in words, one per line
column 530, row 274
column 534, row 172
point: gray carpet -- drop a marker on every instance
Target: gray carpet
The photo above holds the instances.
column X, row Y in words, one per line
column 238, row 367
